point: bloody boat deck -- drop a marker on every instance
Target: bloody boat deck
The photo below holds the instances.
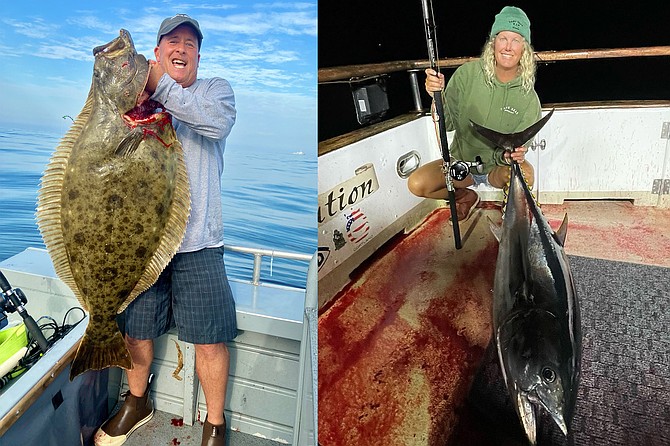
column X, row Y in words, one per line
column 399, row 347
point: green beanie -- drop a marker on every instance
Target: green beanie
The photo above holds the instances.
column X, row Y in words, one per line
column 511, row 18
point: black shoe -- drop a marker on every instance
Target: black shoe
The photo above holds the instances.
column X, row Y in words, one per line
column 213, row 435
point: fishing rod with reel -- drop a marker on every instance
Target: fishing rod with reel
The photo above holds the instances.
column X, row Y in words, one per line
column 13, row 299
column 431, row 43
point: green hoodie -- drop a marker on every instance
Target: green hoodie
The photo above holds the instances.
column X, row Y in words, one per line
column 505, row 107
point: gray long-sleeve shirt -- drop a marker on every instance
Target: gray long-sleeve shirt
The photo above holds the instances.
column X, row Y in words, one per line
column 203, row 115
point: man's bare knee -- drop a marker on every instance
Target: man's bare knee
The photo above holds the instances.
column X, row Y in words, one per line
column 415, row 185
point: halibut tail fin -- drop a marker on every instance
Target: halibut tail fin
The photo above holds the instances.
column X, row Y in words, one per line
column 95, row 356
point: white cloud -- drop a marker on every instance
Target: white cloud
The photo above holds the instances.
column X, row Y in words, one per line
column 92, row 22
column 11, row 51
column 263, row 23
column 80, row 48
column 63, row 52
column 282, row 56
column 286, row 5
column 35, row 29
column 253, row 50
column 194, row 6
column 261, row 79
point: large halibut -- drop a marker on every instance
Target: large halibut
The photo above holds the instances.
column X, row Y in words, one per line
column 114, row 200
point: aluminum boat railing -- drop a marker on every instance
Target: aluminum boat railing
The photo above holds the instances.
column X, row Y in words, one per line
column 259, row 253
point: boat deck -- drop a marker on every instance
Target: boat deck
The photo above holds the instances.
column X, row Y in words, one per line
column 402, row 345
column 167, row 429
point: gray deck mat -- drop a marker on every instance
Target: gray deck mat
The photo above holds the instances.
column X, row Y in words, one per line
column 624, row 393
column 162, row 431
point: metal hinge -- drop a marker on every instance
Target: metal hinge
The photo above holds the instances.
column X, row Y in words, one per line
column 665, row 131
column 541, row 145
column 660, row 187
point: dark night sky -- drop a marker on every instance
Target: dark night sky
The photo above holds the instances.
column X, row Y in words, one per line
column 365, row 31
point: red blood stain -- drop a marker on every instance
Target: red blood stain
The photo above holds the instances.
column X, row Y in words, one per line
column 175, row 442
column 616, row 231
column 398, row 321
column 177, row 421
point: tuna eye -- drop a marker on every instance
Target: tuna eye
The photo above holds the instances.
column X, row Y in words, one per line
column 548, row 375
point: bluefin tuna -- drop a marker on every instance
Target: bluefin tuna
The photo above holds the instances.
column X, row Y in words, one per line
column 114, row 200
column 536, row 319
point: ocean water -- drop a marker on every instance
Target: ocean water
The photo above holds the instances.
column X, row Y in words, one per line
column 269, row 201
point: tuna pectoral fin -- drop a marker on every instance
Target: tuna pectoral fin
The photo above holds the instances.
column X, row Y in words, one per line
column 97, row 356
column 130, row 143
column 562, row 231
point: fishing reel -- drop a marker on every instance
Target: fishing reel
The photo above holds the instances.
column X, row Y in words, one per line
column 460, row 170
column 13, row 299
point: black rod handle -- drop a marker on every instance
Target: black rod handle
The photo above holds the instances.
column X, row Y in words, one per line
column 35, row 331
column 4, row 283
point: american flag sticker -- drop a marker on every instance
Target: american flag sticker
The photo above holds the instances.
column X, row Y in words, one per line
column 357, row 226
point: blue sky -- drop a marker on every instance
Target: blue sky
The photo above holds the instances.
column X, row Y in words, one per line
column 267, row 50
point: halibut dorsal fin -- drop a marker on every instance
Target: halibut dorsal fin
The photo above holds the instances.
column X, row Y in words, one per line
column 49, row 200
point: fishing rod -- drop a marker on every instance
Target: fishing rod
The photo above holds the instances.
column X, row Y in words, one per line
column 431, row 43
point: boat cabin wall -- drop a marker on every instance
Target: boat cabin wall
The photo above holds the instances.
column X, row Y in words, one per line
column 618, row 151
column 363, row 197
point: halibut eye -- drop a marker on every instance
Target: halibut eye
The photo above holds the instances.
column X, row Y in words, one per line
column 548, row 375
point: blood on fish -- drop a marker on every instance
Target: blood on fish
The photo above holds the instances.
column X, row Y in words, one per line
column 148, row 132
column 148, row 112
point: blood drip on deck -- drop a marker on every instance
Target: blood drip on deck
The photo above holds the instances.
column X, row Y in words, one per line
column 399, row 347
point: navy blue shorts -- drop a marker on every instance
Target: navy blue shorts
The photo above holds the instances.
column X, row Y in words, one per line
column 193, row 294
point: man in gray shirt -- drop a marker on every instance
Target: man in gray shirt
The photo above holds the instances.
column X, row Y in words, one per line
column 193, row 290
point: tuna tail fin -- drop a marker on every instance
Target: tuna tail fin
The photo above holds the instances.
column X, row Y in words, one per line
column 95, row 356
column 509, row 141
